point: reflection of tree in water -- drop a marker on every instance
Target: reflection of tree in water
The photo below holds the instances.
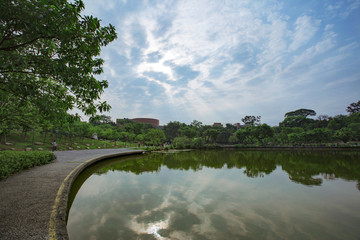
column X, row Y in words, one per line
column 302, row 166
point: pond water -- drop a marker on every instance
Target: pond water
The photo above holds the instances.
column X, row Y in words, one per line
column 219, row 195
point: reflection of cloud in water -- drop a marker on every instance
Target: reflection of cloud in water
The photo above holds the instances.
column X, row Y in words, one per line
column 150, row 227
column 212, row 204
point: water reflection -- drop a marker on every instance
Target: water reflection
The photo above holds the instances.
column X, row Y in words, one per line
column 300, row 166
column 219, row 195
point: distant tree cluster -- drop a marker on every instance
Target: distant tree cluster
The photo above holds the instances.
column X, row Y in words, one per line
column 296, row 129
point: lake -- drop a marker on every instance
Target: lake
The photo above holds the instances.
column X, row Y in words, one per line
column 219, row 195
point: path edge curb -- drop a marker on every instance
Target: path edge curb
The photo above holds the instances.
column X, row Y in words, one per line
column 57, row 222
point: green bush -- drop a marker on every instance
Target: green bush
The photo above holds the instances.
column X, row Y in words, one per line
column 182, row 142
column 13, row 161
column 198, row 143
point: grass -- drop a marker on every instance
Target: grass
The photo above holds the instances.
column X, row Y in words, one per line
column 18, row 142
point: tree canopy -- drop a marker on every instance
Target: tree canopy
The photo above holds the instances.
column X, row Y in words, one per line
column 48, row 54
column 251, row 120
column 301, row 112
column 353, row 107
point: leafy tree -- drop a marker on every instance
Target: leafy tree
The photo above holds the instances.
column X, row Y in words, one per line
column 196, row 124
column 299, row 121
column 155, row 136
column 290, row 135
column 317, row 135
column 251, row 120
column 188, row 131
column 296, row 137
column 300, row 112
column 49, row 55
column 211, row 134
column 171, row 130
column 243, row 135
column 233, row 139
column 261, row 132
column 355, row 131
column 338, row 122
column 140, row 138
column 353, row 107
column 230, row 128
column 101, row 119
column 198, row 142
column 322, row 121
column 343, row 134
column 182, row 142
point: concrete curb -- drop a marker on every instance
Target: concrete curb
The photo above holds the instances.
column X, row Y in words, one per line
column 57, row 222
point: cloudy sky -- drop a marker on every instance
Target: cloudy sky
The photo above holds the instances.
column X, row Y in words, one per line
column 218, row 61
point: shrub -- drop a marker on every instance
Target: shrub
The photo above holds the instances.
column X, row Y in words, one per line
column 182, row 142
column 198, row 143
column 13, row 161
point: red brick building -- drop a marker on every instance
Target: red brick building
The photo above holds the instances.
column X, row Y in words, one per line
column 152, row 121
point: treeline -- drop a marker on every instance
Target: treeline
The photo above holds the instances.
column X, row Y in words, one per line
column 297, row 129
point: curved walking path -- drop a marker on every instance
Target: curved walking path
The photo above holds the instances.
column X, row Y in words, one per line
column 33, row 202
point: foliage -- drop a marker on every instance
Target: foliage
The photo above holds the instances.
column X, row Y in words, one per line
column 155, row 137
column 182, row 142
column 100, row 119
column 251, row 120
column 48, row 52
column 252, row 133
column 353, row 107
column 171, row 130
column 13, row 161
column 301, row 112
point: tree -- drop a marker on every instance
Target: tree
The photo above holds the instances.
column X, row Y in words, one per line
column 251, row 120
column 188, row 131
column 243, row 135
column 299, row 121
column 300, row 112
column 353, row 107
column 172, row 130
column 211, row 134
column 196, row 124
column 338, row 122
column 48, row 55
column 182, row 142
column 101, row 119
column 155, row 136
column 223, row 137
column 261, row 132
column 344, row 134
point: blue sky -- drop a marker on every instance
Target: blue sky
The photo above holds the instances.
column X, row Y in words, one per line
column 218, row 61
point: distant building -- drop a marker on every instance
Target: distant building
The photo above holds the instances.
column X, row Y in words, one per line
column 154, row 122
column 218, row 124
column 239, row 126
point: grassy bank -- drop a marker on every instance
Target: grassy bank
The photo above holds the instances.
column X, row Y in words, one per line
column 15, row 161
column 17, row 142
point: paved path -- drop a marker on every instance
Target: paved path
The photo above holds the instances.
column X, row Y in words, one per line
column 33, row 202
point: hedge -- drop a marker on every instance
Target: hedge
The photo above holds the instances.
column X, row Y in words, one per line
column 15, row 161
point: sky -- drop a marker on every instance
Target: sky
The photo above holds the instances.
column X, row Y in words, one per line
column 218, row 61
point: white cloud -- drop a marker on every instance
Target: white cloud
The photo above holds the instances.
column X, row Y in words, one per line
column 242, row 52
column 305, row 29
